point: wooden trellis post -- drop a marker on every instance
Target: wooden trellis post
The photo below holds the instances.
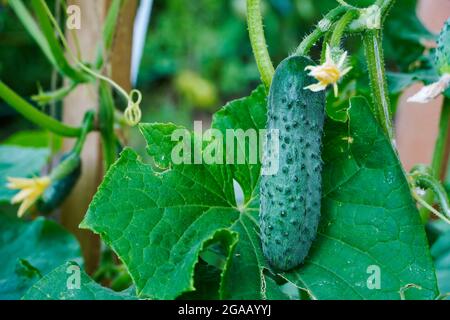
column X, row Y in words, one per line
column 86, row 97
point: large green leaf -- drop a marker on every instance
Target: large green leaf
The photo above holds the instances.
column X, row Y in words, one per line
column 54, row 286
column 29, row 250
column 164, row 220
column 19, row 162
column 35, row 139
column 441, row 255
column 159, row 223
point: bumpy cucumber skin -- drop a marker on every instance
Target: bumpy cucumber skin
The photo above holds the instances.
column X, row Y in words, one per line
column 443, row 49
column 291, row 199
column 60, row 189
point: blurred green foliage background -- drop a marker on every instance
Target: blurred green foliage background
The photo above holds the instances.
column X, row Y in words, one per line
column 198, row 56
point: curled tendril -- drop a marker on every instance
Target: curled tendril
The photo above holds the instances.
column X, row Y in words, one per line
column 421, row 176
column 133, row 113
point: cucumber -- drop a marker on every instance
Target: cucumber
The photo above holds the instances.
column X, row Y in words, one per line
column 64, row 178
column 443, row 49
column 291, row 198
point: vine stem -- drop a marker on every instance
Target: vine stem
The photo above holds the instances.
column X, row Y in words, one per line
column 439, row 155
column 88, row 124
column 34, row 115
column 323, row 26
column 373, row 47
column 425, row 204
column 385, row 7
column 258, row 41
column 106, row 123
column 377, row 74
column 333, row 39
column 308, row 42
column 341, row 26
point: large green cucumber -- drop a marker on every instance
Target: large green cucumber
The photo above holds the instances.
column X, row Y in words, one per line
column 291, row 198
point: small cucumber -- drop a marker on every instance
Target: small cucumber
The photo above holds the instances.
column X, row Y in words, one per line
column 443, row 49
column 64, row 178
column 291, row 198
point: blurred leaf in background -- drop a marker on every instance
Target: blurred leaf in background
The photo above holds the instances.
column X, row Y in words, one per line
column 22, row 67
column 29, row 250
column 35, row 139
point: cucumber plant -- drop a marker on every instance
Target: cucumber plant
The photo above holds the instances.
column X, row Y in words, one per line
column 340, row 206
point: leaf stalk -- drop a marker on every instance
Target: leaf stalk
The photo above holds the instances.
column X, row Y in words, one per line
column 34, row 115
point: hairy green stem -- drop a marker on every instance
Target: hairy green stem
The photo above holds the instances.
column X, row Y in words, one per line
column 258, row 41
column 377, row 75
column 442, row 140
column 341, row 26
column 425, row 204
column 439, row 156
column 373, row 47
column 423, row 177
column 385, row 7
column 34, row 115
column 434, row 185
column 334, row 38
column 309, row 41
column 323, row 26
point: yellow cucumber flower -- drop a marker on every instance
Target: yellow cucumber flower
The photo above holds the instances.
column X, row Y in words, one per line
column 30, row 191
column 328, row 73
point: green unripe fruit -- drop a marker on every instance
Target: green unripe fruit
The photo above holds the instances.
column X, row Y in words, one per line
column 291, row 198
column 64, row 177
